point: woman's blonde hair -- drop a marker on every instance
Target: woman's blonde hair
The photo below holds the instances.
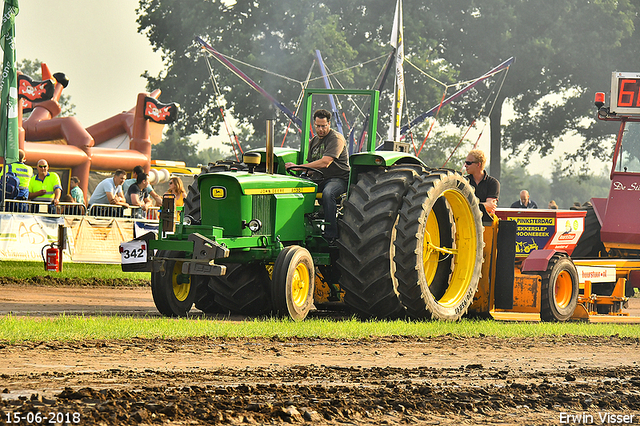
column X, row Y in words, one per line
column 178, row 185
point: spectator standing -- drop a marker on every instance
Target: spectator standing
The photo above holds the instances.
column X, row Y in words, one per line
column 524, row 202
column 487, row 188
column 149, row 190
column 45, row 186
column 109, row 191
column 176, row 187
column 552, row 204
column 76, row 192
column 23, row 172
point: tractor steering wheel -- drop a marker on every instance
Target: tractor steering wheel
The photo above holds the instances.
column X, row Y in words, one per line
column 305, row 172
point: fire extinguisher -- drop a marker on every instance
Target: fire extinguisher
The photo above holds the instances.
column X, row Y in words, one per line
column 51, row 258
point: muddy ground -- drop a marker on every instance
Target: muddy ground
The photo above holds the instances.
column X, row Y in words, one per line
column 442, row 380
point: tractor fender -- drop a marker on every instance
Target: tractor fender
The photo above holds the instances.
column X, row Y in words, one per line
column 538, row 260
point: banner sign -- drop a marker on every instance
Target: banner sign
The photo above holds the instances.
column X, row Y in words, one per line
column 22, row 237
column 89, row 239
column 537, row 232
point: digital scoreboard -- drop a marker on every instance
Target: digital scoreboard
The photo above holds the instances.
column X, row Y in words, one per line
column 625, row 93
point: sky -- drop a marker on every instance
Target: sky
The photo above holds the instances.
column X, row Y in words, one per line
column 97, row 46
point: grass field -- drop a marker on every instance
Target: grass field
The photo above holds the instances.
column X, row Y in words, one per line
column 15, row 329
column 70, row 328
column 74, row 272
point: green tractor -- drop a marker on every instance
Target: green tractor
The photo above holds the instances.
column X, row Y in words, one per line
column 249, row 240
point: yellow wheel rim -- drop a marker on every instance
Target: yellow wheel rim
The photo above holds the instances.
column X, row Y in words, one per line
column 464, row 248
column 300, row 285
column 430, row 257
column 180, row 289
column 564, row 289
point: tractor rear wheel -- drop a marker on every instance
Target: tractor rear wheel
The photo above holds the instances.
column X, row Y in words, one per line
column 173, row 292
column 293, row 282
column 559, row 289
column 205, row 298
column 366, row 241
column 243, row 289
column 439, row 246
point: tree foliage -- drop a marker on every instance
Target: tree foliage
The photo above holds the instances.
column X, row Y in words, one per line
column 565, row 51
column 563, row 188
column 176, row 147
column 282, row 37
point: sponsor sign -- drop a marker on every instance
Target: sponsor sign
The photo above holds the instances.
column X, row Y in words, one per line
column 596, row 274
column 534, row 233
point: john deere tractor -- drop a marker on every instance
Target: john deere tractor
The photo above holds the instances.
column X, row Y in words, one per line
column 249, row 240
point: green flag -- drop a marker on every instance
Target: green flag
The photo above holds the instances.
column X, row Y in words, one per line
column 9, row 84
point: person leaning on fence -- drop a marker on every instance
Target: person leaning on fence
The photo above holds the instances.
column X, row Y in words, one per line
column 76, row 192
column 136, row 194
column 109, row 191
column 149, row 191
column 45, row 186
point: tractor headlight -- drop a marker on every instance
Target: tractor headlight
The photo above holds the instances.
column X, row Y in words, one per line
column 254, row 225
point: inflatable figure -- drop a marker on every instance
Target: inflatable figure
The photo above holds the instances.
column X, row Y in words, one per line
column 122, row 141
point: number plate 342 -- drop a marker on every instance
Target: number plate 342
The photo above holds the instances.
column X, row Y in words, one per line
column 133, row 251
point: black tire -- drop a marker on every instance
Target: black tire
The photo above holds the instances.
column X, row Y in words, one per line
column 559, row 289
column 430, row 286
column 243, row 290
column 205, row 298
column 366, row 241
column 172, row 296
column 293, row 283
column 590, row 244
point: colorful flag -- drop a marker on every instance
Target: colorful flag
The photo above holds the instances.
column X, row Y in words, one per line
column 397, row 41
column 9, row 85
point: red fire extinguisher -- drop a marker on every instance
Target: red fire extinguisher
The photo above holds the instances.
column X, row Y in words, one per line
column 52, row 259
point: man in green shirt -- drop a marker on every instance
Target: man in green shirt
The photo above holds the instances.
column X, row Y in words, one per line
column 328, row 154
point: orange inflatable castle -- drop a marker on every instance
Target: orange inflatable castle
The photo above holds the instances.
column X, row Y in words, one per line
column 120, row 142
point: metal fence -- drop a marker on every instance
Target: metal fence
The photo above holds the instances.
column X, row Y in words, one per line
column 77, row 209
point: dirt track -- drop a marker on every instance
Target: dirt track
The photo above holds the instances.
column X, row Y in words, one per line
column 437, row 381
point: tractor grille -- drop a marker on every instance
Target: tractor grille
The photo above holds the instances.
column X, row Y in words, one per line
column 262, row 212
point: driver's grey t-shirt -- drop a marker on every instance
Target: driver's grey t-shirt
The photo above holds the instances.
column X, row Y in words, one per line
column 335, row 147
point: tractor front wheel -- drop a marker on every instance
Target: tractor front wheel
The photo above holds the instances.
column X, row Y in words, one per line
column 173, row 292
column 559, row 289
column 293, row 282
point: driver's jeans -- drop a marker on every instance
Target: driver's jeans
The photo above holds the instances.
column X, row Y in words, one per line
column 331, row 188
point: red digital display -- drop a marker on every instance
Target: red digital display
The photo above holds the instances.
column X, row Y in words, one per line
column 629, row 93
column 625, row 93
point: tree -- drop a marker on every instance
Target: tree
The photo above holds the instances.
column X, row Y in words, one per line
column 33, row 70
column 176, row 147
column 564, row 51
column 281, row 37
column 211, row 155
column 563, row 187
